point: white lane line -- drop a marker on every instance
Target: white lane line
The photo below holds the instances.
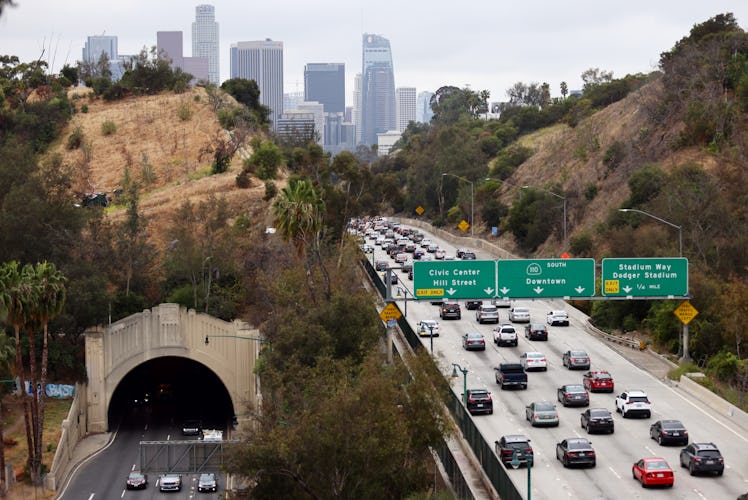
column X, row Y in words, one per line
column 123, row 493
column 650, row 450
column 91, row 497
column 614, row 472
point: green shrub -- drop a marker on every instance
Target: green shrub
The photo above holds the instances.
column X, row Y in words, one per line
column 108, row 128
column 614, row 155
column 84, row 108
column 683, row 368
column 75, row 139
column 581, row 245
column 590, row 191
column 185, row 112
column 723, row 365
column 270, row 190
column 242, row 180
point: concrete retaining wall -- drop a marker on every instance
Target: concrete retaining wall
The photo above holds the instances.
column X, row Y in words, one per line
column 725, row 408
column 73, row 430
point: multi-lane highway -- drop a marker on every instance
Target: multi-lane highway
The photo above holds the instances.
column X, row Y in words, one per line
column 103, row 476
column 612, row 477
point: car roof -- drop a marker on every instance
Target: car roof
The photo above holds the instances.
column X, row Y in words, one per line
column 515, row 438
column 635, row 392
column 474, row 334
column 477, row 390
column 573, row 386
column 534, row 354
column 705, row 446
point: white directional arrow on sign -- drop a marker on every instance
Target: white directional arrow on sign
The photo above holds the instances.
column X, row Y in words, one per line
column 538, row 290
column 579, row 289
column 627, row 289
column 451, row 291
column 504, row 290
column 488, row 291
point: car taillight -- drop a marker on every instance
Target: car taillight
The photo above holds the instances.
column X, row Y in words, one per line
column 566, row 395
column 697, row 459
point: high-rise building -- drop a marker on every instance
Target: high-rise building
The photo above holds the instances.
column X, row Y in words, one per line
column 357, row 108
column 261, row 61
column 378, row 112
column 169, row 46
column 423, row 107
column 95, row 46
column 406, row 106
column 325, row 83
column 205, row 40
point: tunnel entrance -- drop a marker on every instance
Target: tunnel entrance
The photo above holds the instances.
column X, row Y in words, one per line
column 171, row 389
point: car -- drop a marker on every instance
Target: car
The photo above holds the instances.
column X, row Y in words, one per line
column 170, row 482
column 439, row 254
column 633, row 402
column 418, row 253
column 597, row 419
column 191, row 427
column 207, row 482
column 410, row 247
column 450, row 310
column 573, row 395
column 428, row 327
column 519, row 315
column 669, row 431
column 473, row 341
column 410, row 274
column 479, row 401
column 513, row 446
column 536, row 331
column 407, row 266
column 487, row 314
column 379, row 241
column 598, row 381
column 469, row 256
column 473, row 304
column 366, row 248
column 541, row 413
column 461, row 251
column 576, row 451
column 557, row 318
column 136, row 480
column 393, row 278
column 509, row 374
column 702, row 457
column 501, row 302
column 576, row 360
column 401, row 258
column 653, row 471
column 505, row 335
column 381, row 265
column 426, row 243
column 533, row 360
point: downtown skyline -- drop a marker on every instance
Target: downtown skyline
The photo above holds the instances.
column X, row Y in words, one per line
column 433, row 44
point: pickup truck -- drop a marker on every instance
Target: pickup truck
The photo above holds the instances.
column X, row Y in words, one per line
column 512, row 375
column 505, row 335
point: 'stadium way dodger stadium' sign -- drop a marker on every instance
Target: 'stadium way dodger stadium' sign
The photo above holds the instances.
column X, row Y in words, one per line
column 647, row 277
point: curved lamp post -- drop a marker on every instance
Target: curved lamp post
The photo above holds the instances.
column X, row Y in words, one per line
column 676, row 226
column 472, row 199
column 562, row 198
column 515, row 463
column 464, row 371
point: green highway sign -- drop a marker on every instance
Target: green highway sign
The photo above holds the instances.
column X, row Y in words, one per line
column 454, row 279
column 545, row 278
column 648, row 277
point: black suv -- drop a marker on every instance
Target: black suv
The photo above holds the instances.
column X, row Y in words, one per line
column 507, row 445
column 450, row 310
column 479, row 401
column 702, row 457
column 473, row 304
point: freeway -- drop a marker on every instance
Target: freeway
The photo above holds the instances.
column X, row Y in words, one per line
column 103, row 476
column 611, row 478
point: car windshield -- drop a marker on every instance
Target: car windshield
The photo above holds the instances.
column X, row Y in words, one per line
column 206, row 477
column 474, row 336
column 579, row 445
column 709, row 453
column 537, row 327
column 543, row 407
column 521, row 310
column 535, row 355
column 672, row 425
column 602, row 375
column 575, row 388
column 508, row 329
column 599, row 413
column 490, row 309
column 638, row 399
column 136, row 475
column 522, row 445
column 478, row 394
column 578, row 354
column 657, row 465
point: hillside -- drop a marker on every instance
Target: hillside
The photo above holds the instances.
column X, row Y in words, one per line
column 165, row 140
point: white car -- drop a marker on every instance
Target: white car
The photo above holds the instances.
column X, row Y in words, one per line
column 557, row 318
column 428, row 327
column 519, row 315
column 633, row 403
column 439, row 254
column 505, row 335
column 425, row 243
column 533, row 361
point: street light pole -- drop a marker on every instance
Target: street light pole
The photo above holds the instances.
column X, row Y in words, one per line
column 562, row 198
column 515, row 463
column 464, row 371
column 472, row 200
column 676, row 226
column 685, row 334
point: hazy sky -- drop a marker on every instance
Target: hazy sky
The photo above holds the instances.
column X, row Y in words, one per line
column 484, row 44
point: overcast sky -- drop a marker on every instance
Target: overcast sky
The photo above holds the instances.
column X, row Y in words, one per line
column 484, row 44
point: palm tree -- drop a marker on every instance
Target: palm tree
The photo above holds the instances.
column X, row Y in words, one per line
column 299, row 215
column 50, row 292
column 6, row 355
column 16, row 293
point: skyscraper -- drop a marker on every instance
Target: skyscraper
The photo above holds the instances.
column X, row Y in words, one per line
column 205, row 40
column 406, row 106
column 378, row 112
column 423, row 107
column 357, row 105
column 325, row 83
column 261, row 61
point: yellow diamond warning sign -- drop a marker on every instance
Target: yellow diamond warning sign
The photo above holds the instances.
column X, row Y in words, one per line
column 463, row 225
column 420, row 210
column 390, row 312
column 685, row 312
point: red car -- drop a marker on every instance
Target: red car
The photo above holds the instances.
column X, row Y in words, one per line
column 653, row 471
column 598, row 381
